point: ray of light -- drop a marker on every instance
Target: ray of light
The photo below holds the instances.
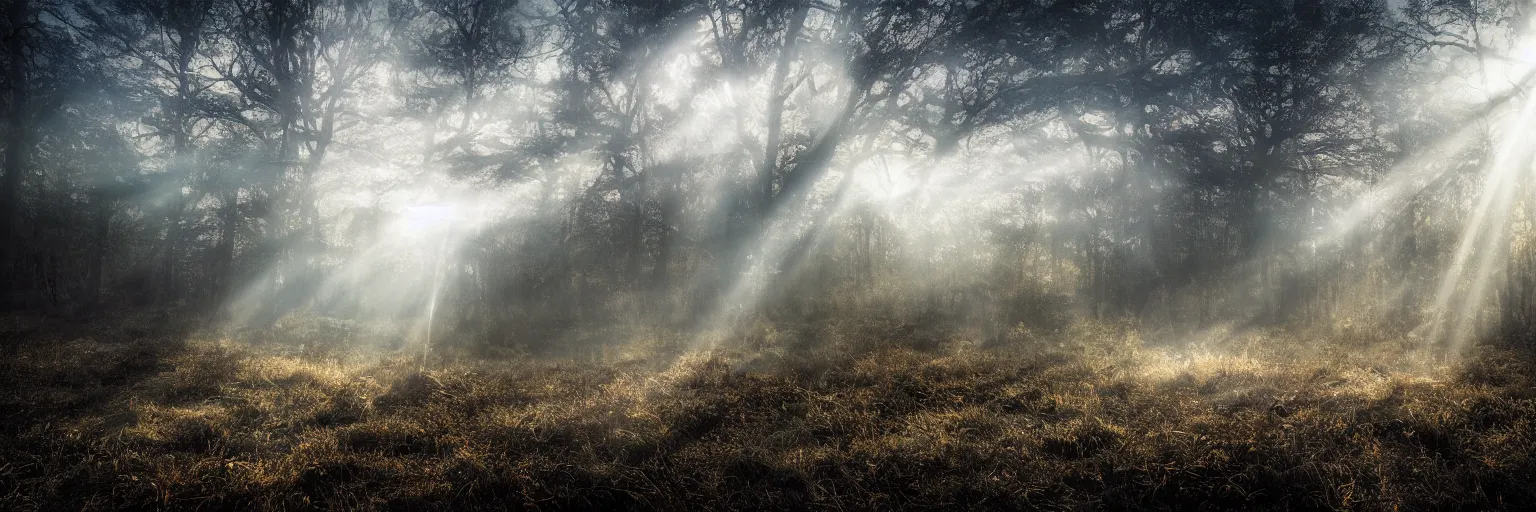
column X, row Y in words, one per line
column 1482, row 235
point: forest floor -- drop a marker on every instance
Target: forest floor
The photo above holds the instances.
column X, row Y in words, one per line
column 868, row 415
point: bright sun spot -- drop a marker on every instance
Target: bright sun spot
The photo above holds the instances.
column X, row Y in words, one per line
column 428, row 218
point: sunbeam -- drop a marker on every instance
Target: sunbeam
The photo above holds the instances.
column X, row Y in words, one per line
column 767, row 254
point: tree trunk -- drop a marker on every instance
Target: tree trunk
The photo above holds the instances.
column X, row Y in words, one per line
column 169, row 289
column 224, row 253
column 181, row 167
column 777, row 97
column 102, row 224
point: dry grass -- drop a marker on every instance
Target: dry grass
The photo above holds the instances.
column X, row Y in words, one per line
column 869, row 416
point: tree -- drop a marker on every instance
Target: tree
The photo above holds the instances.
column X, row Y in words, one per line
column 168, row 41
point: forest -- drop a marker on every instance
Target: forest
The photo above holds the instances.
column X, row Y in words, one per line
column 767, row 254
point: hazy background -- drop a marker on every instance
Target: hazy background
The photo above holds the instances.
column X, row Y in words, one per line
column 543, row 173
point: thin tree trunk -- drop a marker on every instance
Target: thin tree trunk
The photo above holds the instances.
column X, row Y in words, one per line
column 102, row 224
column 224, row 253
column 169, row 289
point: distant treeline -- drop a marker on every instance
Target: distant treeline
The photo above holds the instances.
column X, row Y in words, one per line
column 1003, row 163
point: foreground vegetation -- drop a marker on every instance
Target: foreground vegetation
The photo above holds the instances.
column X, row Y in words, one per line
column 859, row 415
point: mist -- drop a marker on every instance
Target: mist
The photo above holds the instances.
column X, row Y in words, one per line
column 1157, row 193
